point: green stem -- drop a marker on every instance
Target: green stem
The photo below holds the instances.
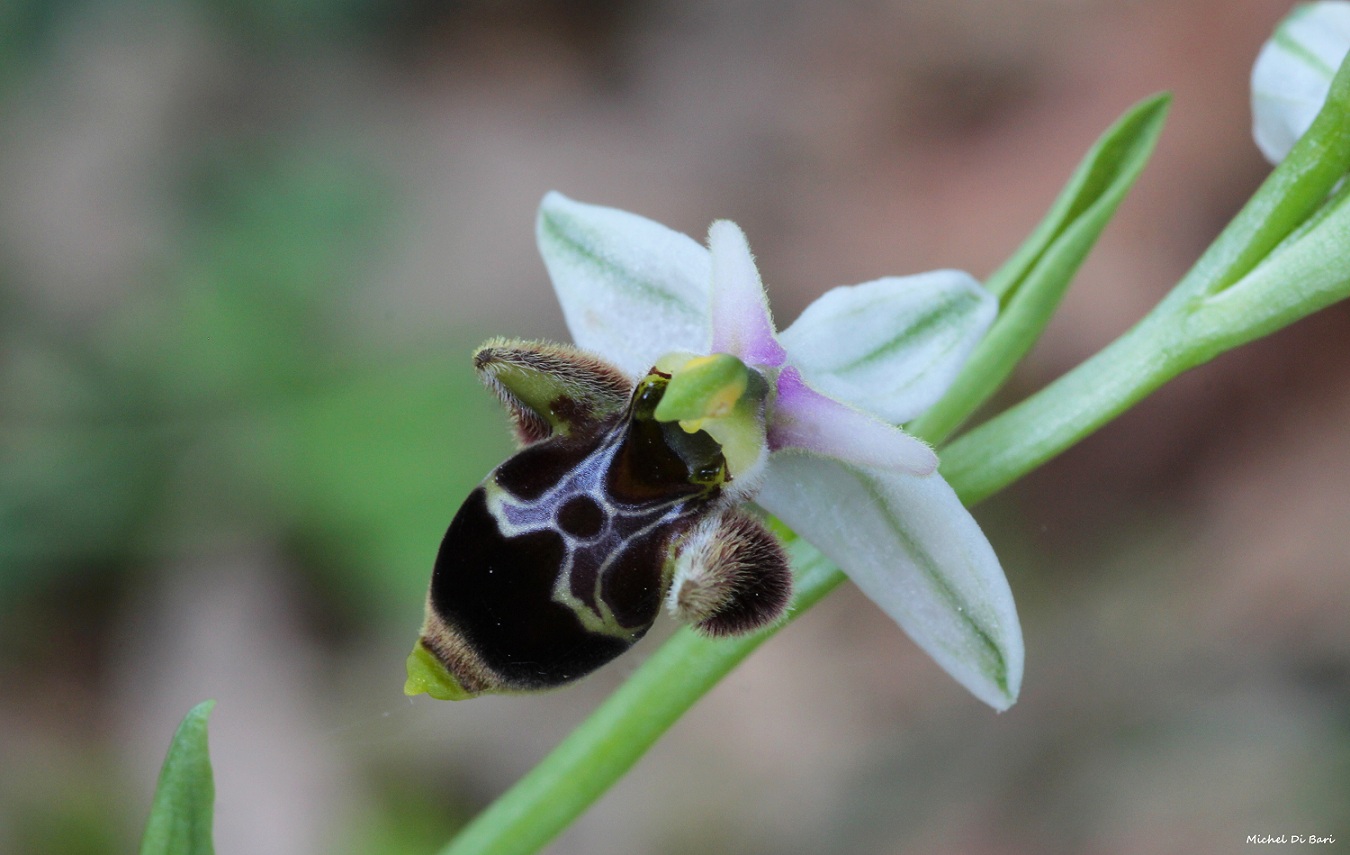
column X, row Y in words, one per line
column 987, row 459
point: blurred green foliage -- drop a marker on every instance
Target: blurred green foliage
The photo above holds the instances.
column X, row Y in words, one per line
column 28, row 27
column 238, row 395
column 239, row 398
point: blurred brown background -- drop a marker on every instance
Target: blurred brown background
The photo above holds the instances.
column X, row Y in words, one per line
column 246, row 248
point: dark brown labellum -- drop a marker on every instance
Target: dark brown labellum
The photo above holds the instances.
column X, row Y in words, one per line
column 560, row 560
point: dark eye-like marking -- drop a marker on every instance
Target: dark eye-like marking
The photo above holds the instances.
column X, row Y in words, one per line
column 581, row 516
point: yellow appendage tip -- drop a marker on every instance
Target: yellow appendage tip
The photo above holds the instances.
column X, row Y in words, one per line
column 426, row 675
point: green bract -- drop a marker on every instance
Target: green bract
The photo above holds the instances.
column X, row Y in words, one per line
column 1030, row 285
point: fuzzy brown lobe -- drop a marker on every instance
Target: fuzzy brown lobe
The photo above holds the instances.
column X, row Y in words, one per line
column 550, row 388
column 736, row 576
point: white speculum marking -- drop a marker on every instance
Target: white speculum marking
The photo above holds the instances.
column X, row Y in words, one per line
column 620, row 526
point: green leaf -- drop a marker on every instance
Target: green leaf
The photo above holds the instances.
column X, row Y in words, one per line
column 180, row 818
column 1032, row 283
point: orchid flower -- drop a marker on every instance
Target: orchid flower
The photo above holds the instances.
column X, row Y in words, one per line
column 1293, row 72
column 823, row 453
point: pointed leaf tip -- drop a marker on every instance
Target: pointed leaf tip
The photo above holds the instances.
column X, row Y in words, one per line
column 1031, row 284
column 184, row 805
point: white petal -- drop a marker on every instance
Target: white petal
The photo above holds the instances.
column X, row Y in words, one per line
column 631, row 289
column 909, row 545
column 891, row 346
column 741, row 322
column 1293, row 74
column 806, row 420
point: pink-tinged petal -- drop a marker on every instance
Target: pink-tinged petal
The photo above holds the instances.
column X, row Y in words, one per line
column 806, row 420
column 915, row 551
column 742, row 325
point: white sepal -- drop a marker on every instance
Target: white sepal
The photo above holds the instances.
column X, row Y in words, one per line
column 631, row 289
column 892, row 346
column 910, row 546
column 1292, row 74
